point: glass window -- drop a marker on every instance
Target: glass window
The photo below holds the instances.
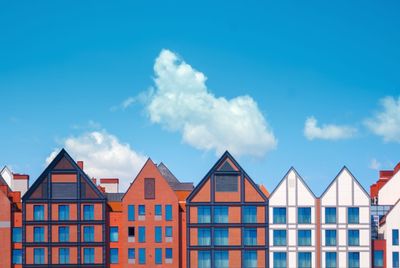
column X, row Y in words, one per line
column 203, row 214
column 17, row 234
column 142, row 234
column 88, row 255
column 354, row 260
column 221, row 214
column 395, row 237
column 17, row 256
column 63, row 234
column 142, row 210
column 353, row 215
column 354, row 237
column 330, row 259
column 158, row 210
column 168, row 231
column 330, row 215
column 203, row 237
column 131, row 231
column 88, row 212
column 158, row 234
column 395, row 259
column 168, row 212
column 304, row 215
column 131, row 254
column 250, row 259
column 142, row 256
column 38, row 234
column 88, row 233
column 221, row 259
column 168, row 253
column 158, row 253
column 63, row 212
column 38, row 255
column 378, row 258
column 279, row 260
column 250, row 236
column 304, row 237
column 204, row 259
column 38, row 212
column 330, row 237
column 113, row 234
column 221, row 236
column 113, row 255
column 304, row 260
column 131, row 212
column 279, row 215
column 279, row 237
column 63, row 255
column 250, row 214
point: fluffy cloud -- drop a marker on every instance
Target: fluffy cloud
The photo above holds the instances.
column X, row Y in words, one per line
column 104, row 156
column 327, row 132
column 182, row 102
column 386, row 123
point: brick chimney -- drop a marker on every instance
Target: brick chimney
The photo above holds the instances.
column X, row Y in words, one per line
column 111, row 185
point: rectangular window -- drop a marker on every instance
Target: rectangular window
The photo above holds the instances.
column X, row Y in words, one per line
column 354, row 259
column 203, row 214
column 131, row 231
column 395, row 259
column 221, row 236
column 330, row 237
column 353, row 215
column 280, row 260
column 250, row 259
column 142, row 210
column 142, row 256
column 304, row 260
column 279, row 215
column 88, row 255
column 38, row 212
column 38, row 234
column 378, row 259
column 168, row 231
column 354, row 237
column 158, row 255
column 158, row 234
column 395, row 237
column 113, row 255
column 113, row 234
column 131, row 254
column 88, row 233
column 131, row 212
column 17, row 256
column 304, row 215
column 250, row 214
column 88, row 212
column 168, row 212
column 250, row 236
column 63, row 255
column 330, row 260
column 63, row 212
column 304, row 237
column 63, row 234
column 149, row 188
column 221, row 214
column 279, row 237
column 203, row 237
column 158, row 210
column 142, row 234
column 17, row 234
column 226, row 183
column 168, row 253
column 204, row 259
column 38, row 255
column 330, row 215
column 221, row 259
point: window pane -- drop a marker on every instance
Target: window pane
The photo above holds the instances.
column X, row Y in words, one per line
column 142, row 234
column 38, row 256
column 168, row 212
column 304, row 260
column 88, row 212
column 221, row 236
column 304, row 215
column 279, row 237
column 250, row 237
column 250, row 214
column 142, row 256
column 378, row 258
column 131, row 253
column 131, row 212
column 63, row 234
column 354, row 259
column 114, row 255
column 330, row 237
column 88, row 255
column 226, row 183
column 279, row 260
column 204, row 259
column 113, row 234
column 38, row 212
column 168, row 231
column 304, row 237
column 354, row 237
column 395, row 237
column 203, row 214
column 221, row 214
column 204, row 237
column 353, row 215
column 63, row 255
column 330, row 215
column 279, row 215
column 330, row 259
column 17, row 256
column 38, row 234
column 158, row 210
column 142, row 210
column 158, row 253
column 88, row 233
column 17, row 234
column 221, row 259
column 395, row 259
column 158, row 234
column 168, row 253
column 63, row 212
column 250, row 259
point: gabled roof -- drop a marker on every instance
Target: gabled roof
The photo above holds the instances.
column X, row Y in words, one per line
column 3, row 182
column 383, row 219
column 175, row 184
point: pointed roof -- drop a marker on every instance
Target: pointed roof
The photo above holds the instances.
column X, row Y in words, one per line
column 292, row 169
column 175, row 184
column 3, row 182
column 383, row 219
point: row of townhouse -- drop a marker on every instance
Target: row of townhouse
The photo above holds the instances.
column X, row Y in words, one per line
column 67, row 219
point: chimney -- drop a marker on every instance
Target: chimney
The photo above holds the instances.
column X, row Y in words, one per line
column 111, row 185
column 20, row 183
column 80, row 164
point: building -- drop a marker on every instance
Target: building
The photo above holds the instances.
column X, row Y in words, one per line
column 17, row 182
column 64, row 218
column 227, row 219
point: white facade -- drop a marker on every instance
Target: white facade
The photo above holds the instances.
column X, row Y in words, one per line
column 391, row 223
column 343, row 193
column 292, row 193
column 389, row 193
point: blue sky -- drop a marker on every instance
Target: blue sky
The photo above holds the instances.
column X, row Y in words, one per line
column 66, row 69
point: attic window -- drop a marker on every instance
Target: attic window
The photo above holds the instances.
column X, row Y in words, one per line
column 149, row 188
column 226, row 183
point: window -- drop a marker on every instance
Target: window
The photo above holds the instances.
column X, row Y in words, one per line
column 131, row 231
column 330, row 259
column 63, row 234
column 38, row 212
column 221, row 236
column 168, row 212
column 131, row 212
column 304, row 260
column 113, row 234
column 279, row 215
column 63, row 255
column 168, row 231
column 378, row 258
column 17, row 256
column 353, row 215
column 142, row 256
column 354, row 237
column 158, row 210
column 168, row 253
column 158, row 255
column 158, row 234
column 142, row 234
column 149, row 188
column 38, row 255
column 226, row 183
column 63, row 212
column 354, row 259
column 330, row 215
column 203, row 237
column 395, row 259
column 142, row 210
column 395, row 237
column 221, row 259
column 250, row 259
column 221, row 214
column 250, row 214
column 304, row 237
column 250, row 236
column 113, row 255
column 279, row 260
column 88, row 255
column 88, row 233
column 304, row 215
column 88, row 212
column 203, row 214
column 330, row 237
column 131, row 255
column 38, row 234
column 17, row 234
column 279, row 237
column 204, row 259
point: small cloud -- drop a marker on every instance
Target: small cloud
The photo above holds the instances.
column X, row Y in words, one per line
column 327, row 132
column 375, row 164
column 142, row 97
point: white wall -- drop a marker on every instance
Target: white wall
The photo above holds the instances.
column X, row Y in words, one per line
column 389, row 193
column 392, row 222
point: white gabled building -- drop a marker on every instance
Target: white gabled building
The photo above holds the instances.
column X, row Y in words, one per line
column 345, row 223
column 293, row 223
column 16, row 182
column 390, row 228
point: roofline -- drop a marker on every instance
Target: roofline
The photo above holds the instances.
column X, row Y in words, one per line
column 394, row 174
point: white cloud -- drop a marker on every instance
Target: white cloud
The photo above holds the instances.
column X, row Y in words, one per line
column 182, row 102
column 104, row 156
column 386, row 123
column 375, row 164
column 327, row 132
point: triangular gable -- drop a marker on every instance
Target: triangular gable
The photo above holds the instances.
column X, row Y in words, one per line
column 385, row 196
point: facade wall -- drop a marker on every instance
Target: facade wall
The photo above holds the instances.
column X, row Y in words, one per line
column 392, row 223
column 388, row 194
